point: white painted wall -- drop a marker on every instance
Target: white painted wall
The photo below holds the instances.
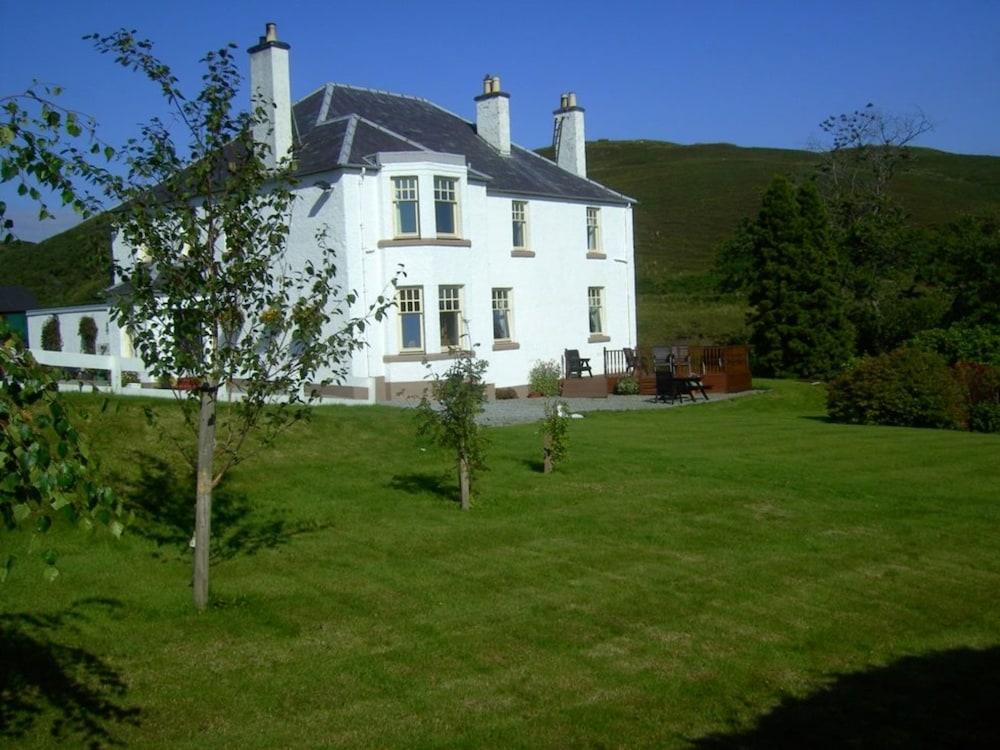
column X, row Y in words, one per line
column 69, row 327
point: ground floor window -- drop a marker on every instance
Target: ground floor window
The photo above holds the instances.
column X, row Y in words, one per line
column 502, row 314
column 409, row 301
column 595, row 301
column 450, row 314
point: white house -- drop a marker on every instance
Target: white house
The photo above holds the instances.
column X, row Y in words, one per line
column 501, row 247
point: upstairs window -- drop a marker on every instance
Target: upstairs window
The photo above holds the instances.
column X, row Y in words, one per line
column 593, row 229
column 450, row 316
column 519, row 220
column 405, row 206
column 409, row 301
column 446, row 206
column 502, row 315
column 595, row 302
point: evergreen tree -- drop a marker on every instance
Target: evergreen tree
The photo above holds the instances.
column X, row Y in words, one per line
column 797, row 319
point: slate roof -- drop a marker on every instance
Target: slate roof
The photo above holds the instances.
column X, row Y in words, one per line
column 16, row 299
column 345, row 126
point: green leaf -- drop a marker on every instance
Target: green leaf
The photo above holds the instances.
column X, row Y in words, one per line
column 43, row 524
column 21, row 511
column 51, row 573
column 117, row 529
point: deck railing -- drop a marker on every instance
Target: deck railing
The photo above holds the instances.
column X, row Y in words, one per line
column 693, row 359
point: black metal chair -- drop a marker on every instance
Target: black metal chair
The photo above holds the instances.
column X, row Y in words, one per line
column 631, row 361
column 575, row 364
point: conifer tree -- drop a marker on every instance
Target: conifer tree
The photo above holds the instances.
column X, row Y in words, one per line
column 798, row 323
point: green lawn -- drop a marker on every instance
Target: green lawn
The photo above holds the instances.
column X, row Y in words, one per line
column 734, row 574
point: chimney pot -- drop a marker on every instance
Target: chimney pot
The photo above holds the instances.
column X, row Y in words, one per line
column 271, row 35
column 571, row 97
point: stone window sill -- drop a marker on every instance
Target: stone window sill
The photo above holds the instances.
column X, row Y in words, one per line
column 419, row 241
column 503, row 346
column 596, row 256
column 522, row 253
column 424, row 357
column 598, row 338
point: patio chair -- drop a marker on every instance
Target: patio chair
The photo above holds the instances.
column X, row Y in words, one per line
column 575, row 364
column 631, row 361
column 662, row 358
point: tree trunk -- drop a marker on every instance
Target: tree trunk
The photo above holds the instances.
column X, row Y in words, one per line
column 547, row 450
column 203, row 501
column 463, row 481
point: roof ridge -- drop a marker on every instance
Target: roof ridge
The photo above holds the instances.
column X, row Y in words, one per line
column 393, row 133
column 348, row 144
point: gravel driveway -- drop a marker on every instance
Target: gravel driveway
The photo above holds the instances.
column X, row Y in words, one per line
column 518, row 410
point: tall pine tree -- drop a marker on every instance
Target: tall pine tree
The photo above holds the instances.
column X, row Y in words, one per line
column 797, row 320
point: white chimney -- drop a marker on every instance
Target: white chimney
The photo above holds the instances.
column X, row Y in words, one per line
column 493, row 115
column 568, row 138
column 271, row 90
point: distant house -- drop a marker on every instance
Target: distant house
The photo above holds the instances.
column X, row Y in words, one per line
column 15, row 301
column 501, row 247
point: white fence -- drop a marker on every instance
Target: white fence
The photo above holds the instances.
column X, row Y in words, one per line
column 114, row 365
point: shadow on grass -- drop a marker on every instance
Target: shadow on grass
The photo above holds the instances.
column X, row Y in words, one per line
column 947, row 699
column 534, row 465
column 162, row 498
column 43, row 681
column 820, row 418
column 416, row 483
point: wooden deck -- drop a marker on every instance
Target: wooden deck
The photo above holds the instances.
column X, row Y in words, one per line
column 586, row 387
column 723, row 369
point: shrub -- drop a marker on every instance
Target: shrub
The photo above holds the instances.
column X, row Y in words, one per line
column 554, row 438
column 544, row 377
column 129, row 377
column 906, row 387
column 962, row 343
column 51, row 336
column 627, row 387
column 981, row 387
column 504, row 394
column 88, row 335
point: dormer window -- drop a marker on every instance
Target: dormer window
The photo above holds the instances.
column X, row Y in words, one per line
column 406, row 206
column 446, row 206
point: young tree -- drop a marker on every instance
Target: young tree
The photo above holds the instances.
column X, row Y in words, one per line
column 212, row 297
column 460, row 394
column 554, row 434
column 46, row 148
column 797, row 320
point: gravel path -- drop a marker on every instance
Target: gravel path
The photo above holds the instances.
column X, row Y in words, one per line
column 519, row 410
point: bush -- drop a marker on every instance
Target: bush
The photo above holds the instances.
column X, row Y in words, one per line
column 504, row 394
column 51, row 336
column 981, row 387
column 962, row 343
column 906, row 387
column 627, row 387
column 88, row 335
column 544, row 377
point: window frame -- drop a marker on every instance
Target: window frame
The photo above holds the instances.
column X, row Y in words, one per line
column 401, row 304
column 506, row 294
column 397, row 201
column 602, row 313
column 459, row 311
column 453, row 201
column 594, row 239
column 515, row 206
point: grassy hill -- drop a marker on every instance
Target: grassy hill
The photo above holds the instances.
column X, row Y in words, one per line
column 70, row 268
column 690, row 198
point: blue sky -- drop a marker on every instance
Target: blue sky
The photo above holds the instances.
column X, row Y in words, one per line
column 751, row 73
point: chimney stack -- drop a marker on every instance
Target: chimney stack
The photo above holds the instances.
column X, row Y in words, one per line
column 568, row 138
column 493, row 115
column 270, row 89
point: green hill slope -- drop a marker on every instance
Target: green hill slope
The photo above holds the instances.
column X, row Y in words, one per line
column 691, row 197
column 70, row 268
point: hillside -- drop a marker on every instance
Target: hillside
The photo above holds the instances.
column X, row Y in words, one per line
column 690, row 198
column 70, row 268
